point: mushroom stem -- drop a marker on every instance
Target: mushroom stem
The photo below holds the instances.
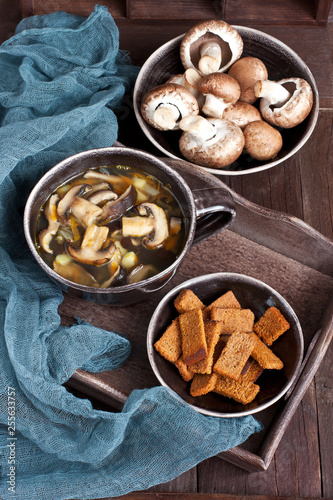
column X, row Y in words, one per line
column 137, row 226
column 272, row 91
column 166, row 116
column 201, row 129
column 191, row 79
column 85, row 211
column 210, row 57
column 214, row 107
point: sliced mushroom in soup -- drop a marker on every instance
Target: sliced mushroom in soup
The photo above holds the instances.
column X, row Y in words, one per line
column 106, row 234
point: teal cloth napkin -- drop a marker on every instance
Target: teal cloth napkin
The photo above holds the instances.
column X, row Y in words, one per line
column 61, row 76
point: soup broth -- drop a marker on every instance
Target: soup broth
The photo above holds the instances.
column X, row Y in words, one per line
column 110, row 226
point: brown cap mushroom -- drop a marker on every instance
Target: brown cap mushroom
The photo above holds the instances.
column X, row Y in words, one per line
column 116, row 181
column 262, row 141
column 211, row 142
column 65, row 267
column 211, row 46
column 161, row 230
column 220, row 90
column 165, row 105
column 117, row 207
column 91, row 251
column 247, row 71
column 50, row 212
column 241, row 113
column 285, row 103
column 67, row 200
column 102, row 195
column 141, row 273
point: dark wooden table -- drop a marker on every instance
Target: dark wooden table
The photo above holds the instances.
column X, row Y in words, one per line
column 302, row 186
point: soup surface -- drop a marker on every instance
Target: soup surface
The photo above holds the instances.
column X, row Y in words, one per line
column 110, row 226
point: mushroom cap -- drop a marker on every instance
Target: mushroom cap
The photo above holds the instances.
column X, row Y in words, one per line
column 102, row 195
column 170, row 94
column 219, row 151
column 225, row 35
column 294, row 111
column 247, row 71
column 242, row 113
column 115, row 208
column 220, row 85
column 67, row 200
column 262, row 141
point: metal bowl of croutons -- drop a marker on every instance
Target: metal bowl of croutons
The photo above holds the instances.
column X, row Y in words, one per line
column 228, row 344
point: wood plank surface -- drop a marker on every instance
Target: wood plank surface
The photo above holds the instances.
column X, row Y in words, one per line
column 201, row 496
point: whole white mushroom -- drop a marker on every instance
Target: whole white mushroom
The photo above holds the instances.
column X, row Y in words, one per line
column 285, row 103
column 165, row 105
column 211, row 46
column 211, row 142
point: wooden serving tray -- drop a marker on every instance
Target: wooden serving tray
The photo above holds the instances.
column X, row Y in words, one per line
column 278, row 249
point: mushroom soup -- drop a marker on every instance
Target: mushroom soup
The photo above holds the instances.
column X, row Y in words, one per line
column 110, row 226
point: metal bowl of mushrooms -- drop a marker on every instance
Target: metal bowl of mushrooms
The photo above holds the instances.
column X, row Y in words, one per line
column 230, row 99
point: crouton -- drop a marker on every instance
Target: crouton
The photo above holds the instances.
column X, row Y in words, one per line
column 187, row 300
column 212, row 333
column 170, row 344
column 186, row 373
column 202, row 384
column 241, row 391
column 265, row 356
column 227, row 300
column 271, row 326
column 192, row 329
column 251, row 371
column 232, row 320
column 234, row 356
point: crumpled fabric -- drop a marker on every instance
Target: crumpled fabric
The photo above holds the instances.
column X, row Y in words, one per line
column 61, row 77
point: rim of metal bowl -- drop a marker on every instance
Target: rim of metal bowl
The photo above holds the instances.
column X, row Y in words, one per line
column 224, row 172
column 237, row 276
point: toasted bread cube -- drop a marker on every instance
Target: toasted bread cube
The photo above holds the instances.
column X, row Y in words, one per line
column 234, row 356
column 227, row 300
column 232, row 320
column 212, row 333
column 271, row 326
column 265, row 356
column 202, row 384
column 187, row 300
column 186, row 373
column 192, row 329
column 170, row 344
column 240, row 391
column 251, row 371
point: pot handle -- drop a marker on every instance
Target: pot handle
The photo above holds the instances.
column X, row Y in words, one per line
column 215, row 211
